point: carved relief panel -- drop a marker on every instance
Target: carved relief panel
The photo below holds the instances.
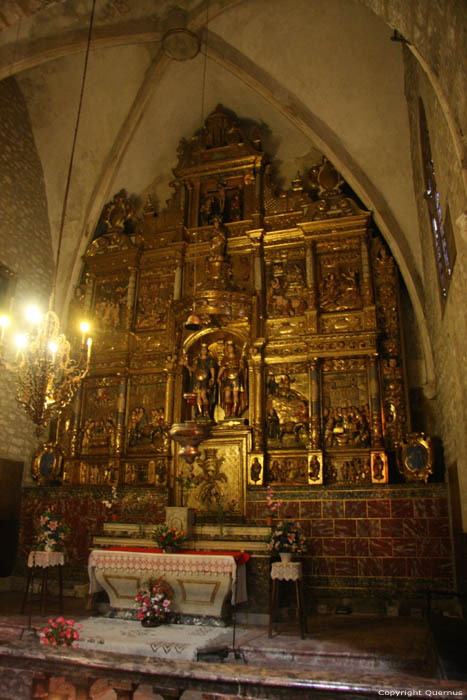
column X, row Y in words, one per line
column 98, row 420
column 155, row 294
column 222, row 467
column 287, row 417
column 287, row 468
column 151, row 472
column 286, row 288
column 110, row 311
column 339, row 280
column 346, row 414
column 146, row 425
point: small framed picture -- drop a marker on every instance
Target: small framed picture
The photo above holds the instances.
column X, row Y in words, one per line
column 256, row 470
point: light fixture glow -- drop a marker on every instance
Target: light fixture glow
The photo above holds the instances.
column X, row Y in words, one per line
column 33, row 314
column 21, row 341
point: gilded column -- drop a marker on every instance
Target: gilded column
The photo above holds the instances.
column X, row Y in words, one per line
column 375, row 403
column 75, row 420
column 130, row 298
column 315, row 407
column 257, row 376
column 170, row 370
column 312, row 297
column 178, row 279
column 121, row 406
column 367, row 290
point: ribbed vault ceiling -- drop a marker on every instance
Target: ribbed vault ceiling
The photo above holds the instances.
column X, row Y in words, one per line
column 318, row 76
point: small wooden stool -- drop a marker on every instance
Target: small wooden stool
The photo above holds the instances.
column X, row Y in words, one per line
column 44, row 561
column 287, row 571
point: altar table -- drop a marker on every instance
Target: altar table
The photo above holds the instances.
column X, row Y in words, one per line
column 201, row 582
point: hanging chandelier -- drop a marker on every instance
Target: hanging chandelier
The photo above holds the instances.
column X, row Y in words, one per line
column 47, row 376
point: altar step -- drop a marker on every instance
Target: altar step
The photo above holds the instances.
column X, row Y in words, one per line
column 357, row 644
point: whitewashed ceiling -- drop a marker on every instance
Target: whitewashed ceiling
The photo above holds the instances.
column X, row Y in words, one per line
column 319, row 76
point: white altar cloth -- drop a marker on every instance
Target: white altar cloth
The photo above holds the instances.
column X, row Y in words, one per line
column 188, row 574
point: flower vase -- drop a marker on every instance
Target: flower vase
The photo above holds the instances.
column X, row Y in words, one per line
column 150, row 623
column 286, row 557
column 268, row 521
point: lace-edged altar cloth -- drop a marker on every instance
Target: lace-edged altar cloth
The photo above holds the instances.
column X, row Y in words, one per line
column 160, row 563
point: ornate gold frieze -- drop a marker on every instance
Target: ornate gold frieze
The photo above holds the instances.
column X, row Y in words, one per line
column 300, row 333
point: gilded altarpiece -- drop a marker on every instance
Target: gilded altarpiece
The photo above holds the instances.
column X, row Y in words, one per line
column 298, row 363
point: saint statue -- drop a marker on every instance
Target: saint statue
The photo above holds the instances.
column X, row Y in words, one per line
column 204, row 381
column 232, row 382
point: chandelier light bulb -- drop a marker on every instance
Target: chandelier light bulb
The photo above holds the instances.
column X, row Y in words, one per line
column 21, row 341
column 33, row 314
column 84, row 328
column 53, row 347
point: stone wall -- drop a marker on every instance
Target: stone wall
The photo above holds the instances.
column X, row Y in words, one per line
column 448, row 325
column 25, row 248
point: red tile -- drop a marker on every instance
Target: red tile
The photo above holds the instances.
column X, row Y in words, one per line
column 357, row 547
column 262, row 511
column 442, row 506
column 250, row 511
column 392, row 527
column 419, row 566
column 393, row 566
column 310, row 509
column 355, row 509
column 333, row 546
column 404, row 547
column 379, row 509
column 445, row 546
column 289, row 509
column 438, row 527
column 323, row 566
column 429, row 547
column 402, row 508
column 346, row 566
column 370, row 566
column 306, row 526
column 380, row 547
column 315, row 547
column 425, row 508
column 415, row 527
column 333, row 509
column 368, row 528
column 322, row 528
column 441, row 568
column 345, row 528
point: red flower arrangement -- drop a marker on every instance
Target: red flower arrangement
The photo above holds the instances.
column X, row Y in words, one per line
column 60, row 633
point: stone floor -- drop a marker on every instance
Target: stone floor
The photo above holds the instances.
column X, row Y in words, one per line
column 370, row 645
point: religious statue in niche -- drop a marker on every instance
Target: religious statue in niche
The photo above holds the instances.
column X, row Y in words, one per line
column 218, row 242
column 285, row 295
column 232, row 381
column 203, row 384
column 234, row 205
column 339, row 288
column 288, row 470
column 212, row 204
column 157, row 472
column 287, row 417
